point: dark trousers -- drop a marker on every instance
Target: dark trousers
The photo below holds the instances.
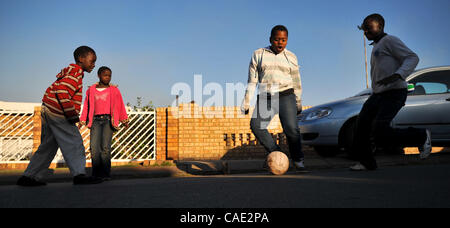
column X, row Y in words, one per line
column 101, row 138
column 374, row 121
column 286, row 107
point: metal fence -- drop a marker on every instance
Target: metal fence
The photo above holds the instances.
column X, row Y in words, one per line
column 16, row 136
column 136, row 143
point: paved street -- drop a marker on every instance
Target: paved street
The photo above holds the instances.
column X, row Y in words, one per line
column 395, row 186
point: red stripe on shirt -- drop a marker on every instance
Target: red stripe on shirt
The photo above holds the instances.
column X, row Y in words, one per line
column 66, row 94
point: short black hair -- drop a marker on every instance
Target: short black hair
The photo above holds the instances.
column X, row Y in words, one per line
column 374, row 17
column 82, row 52
column 103, row 68
column 278, row 28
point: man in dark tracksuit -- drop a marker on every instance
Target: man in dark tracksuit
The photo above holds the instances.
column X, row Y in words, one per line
column 391, row 63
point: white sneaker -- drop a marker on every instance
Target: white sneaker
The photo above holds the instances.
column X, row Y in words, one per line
column 358, row 167
column 425, row 150
column 299, row 166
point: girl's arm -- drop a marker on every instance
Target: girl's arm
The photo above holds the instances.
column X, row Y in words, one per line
column 123, row 116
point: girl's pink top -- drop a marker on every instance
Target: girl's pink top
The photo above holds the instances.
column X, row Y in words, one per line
column 102, row 102
column 93, row 105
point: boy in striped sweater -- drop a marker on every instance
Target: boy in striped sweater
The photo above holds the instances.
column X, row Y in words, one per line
column 275, row 71
column 59, row 115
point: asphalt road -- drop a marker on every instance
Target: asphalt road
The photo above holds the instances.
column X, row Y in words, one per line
column 396, row 186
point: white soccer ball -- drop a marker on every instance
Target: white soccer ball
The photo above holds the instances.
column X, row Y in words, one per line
column 278, row 163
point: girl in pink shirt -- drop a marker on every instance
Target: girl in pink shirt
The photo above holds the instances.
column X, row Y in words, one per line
column 103, row 111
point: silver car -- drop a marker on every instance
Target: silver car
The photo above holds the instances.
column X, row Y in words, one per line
column 329, row 127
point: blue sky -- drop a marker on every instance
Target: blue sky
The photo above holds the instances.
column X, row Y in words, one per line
column 151, row 45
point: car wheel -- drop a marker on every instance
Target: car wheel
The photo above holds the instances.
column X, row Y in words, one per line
column 327, row 151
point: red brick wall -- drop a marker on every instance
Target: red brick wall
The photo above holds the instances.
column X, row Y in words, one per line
column 36, row 128
column 166, row 134
column 190, row 132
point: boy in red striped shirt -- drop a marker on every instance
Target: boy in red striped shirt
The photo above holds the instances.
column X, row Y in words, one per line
column 59, row 115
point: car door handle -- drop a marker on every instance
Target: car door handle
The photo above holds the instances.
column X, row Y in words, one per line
column 448, row 99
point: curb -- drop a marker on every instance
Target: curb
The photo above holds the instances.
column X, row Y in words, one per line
column 314, row 163
column 227, row 167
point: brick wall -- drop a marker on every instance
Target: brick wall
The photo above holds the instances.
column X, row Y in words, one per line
column 36, row 128
column 190, row 132
column 166, row 134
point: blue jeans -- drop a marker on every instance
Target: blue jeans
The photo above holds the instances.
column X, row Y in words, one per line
column 286, row 107
column 101, row 138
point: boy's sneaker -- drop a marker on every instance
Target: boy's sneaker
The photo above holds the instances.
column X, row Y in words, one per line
column 29, row 182
column 299, row 166
column 358, row 167
column 85, row 180
column 425, row 150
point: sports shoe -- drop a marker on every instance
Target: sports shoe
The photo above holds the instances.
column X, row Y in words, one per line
column 425, row 150
column 29, row 182
column 299, row 166
column 358, row 167
column 85, row 180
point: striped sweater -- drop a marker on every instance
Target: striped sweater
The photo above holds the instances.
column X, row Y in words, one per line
column 274, row 73
column 63, row 98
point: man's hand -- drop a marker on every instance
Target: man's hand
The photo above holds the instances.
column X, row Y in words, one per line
column 390, row 79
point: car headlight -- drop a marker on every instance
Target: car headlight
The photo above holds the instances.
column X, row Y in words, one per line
column 318, row 114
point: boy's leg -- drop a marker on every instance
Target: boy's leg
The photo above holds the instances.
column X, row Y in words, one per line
column 362, row 144
column 96, row 147
column 261, row 118
column 41, row 159
column 384, row 134
column 106, row 148
column 410, row 137
column 288, row 118
column 71, row 143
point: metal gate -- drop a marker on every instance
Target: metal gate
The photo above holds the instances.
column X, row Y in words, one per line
column 136, row 143
column 16, row 136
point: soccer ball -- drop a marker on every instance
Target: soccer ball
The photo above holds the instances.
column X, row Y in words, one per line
column 278, row 163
